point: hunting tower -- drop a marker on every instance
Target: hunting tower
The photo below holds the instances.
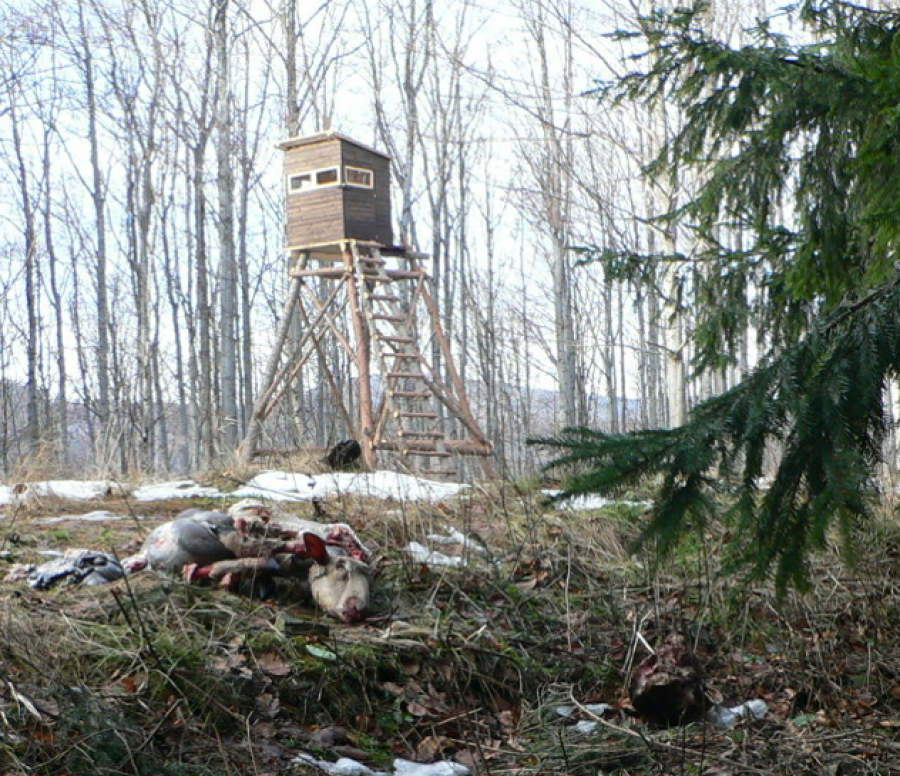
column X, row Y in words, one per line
column 352, row 287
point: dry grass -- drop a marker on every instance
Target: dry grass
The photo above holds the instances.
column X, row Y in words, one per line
column 150, row 677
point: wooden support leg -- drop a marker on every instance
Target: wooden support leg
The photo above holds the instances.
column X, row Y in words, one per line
column 247, row 447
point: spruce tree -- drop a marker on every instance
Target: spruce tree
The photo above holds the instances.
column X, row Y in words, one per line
column 798, row 147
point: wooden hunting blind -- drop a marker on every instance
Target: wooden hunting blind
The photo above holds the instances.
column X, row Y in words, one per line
column 353, row 291
column 336, row 189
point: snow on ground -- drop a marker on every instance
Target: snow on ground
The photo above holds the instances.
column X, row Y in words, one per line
column 73, row 490
column 583, row 503
column 271, row 485
column 348, row 767
column 284, row 486
column 288, row 486
column 163, row 491
column 99, row 516
column 422, row 554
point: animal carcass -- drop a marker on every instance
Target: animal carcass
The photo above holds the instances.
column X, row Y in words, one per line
column 668, row 687
column 256, row 542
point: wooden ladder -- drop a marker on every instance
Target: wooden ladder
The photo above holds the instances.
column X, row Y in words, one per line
column 411, row 419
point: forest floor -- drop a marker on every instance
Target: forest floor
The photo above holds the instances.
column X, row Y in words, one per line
column 471, row 665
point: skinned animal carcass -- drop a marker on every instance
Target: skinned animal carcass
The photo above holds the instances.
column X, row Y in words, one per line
column 264, row 519
column 257, row 543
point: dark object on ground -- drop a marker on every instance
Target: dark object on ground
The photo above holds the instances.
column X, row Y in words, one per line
column 343, row 454
column 668, row 687
column 85, row 567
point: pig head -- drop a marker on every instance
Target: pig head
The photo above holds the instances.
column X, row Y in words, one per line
column 340, row 585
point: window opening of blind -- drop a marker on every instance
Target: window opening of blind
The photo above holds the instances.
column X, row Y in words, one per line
column 327, row 177
column 300, row 182
column 314, row 179
column 357, row 176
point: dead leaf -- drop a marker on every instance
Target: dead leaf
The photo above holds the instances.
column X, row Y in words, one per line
column 417, row 709
column 393, row 688
column 329, row 736
column 265, row 730
column 40, row 733
column 268, row 704
column 274, row 664
column 412, row 665
column 228, row 664
column 431, row 746
column 507, row 720
column 445, row 670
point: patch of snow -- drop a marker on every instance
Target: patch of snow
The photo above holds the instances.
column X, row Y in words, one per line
column 455, row 537
column 98, row 516
column 443, row 768
column 583, row 503
column 164, row 491
column 343, row 767
column 74, row 490
column 347, row 767
column 421, row 554
column 288, row 486
column 594, row 708
column 271, row 485
column 723, row 717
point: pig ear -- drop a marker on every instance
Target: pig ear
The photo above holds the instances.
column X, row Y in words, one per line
column 316, row 549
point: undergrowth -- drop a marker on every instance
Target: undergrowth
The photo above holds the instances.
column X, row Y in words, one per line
column 472, row 663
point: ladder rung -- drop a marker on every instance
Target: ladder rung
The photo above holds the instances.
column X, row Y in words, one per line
column 411, row 448
column 421, row 434
column 374, row 260
column 411, row 394
column 320, row 272
column 383, row 298
column 406, row 375
column 370, row 278
column 408, row 356
column 396, row 338
column 405, row 414
column 395, row 318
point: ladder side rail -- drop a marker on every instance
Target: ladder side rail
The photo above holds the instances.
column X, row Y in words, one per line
column 379, row 273
column 363, row 357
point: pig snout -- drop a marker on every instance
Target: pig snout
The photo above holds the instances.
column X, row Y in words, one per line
column 341, row 587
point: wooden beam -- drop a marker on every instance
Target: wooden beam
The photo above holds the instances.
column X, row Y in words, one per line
column 363, row 363
column 423, row 447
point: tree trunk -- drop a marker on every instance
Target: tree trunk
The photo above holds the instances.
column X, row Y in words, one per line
column 62, row 408
column 227, row 275
column 98, row 198
column 32, row 301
